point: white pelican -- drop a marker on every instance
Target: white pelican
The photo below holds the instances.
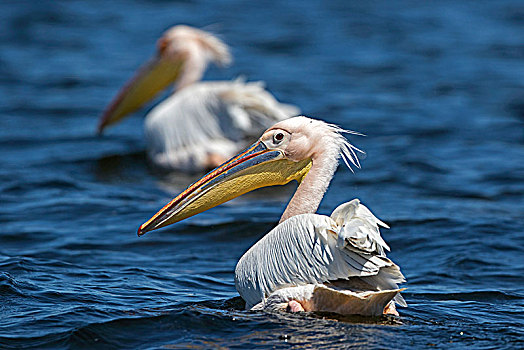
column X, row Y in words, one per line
column 308, row 262
column 202, row 124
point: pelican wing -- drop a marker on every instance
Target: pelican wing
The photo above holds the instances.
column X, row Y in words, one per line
column 210, row 117
column 316, row 249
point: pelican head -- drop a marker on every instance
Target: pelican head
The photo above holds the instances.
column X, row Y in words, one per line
column 285, row 152
column 183, row 54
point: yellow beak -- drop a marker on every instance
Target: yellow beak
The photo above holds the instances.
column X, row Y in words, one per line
column 253, row 168
column 152, row 78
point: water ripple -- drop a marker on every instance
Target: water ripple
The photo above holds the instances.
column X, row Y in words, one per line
column 437, row 87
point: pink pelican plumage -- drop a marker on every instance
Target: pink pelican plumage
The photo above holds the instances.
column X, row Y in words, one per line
column 308, row 262
column 201, row 124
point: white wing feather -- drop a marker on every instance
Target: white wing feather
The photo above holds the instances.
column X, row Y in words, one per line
column 315, row 249
column 210, row 117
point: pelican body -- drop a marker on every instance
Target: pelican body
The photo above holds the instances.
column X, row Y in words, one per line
column 202, row 123
column 308, row 262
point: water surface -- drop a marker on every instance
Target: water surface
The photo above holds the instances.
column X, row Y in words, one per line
column 436, row 86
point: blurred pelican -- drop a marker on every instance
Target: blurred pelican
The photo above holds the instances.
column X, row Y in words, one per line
column 203, row 123
column 308, row 262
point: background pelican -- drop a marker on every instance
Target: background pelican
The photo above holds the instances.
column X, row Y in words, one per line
column 308, row 262
column 201, row 124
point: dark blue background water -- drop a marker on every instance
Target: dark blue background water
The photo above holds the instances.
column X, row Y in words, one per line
column 438, row 87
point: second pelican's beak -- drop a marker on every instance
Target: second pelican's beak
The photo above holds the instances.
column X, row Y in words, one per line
column 152, row 78
column 253, row 168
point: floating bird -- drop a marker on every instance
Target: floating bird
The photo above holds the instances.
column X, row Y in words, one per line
column 203, row 123
column 308, row 262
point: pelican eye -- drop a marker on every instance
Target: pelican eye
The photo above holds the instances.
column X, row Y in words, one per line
column 278, row 137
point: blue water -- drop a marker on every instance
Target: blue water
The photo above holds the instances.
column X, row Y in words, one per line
column 438, row 87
